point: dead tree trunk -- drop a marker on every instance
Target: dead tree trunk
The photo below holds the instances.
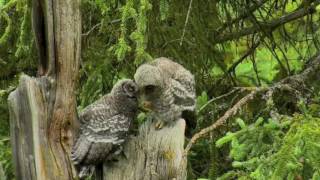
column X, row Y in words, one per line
column 43, row 109
column 152, row 155
column 2, row 176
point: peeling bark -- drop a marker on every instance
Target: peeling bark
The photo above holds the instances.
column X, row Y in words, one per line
column 43, row 114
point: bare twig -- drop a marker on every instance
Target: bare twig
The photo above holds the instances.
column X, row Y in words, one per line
column 248, row 53
column 291, row 83
column 270, row 25
column 232, row 111
column 93, row 28
column 242, row 15
column 186, row 22
column 99, row 24
column 217, row 98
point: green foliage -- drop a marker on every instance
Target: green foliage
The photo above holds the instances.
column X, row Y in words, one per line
column 138, row 36
column 5, row 157
column 139, row 17
column 122, row 47
column 25, row 40
column 5, row 35
column 5, row 148
column 164, row 9
column 284, row 149
column 119, row 35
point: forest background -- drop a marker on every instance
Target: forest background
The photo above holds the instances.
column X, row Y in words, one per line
column 265, row 48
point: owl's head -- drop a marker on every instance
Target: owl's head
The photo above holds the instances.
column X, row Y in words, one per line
column 148, row 76
column 125, row 88
column 151, row 82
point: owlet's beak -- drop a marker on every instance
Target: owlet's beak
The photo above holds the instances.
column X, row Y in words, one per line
column 146, row 106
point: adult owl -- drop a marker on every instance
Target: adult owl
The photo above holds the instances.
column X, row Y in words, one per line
column 104, row 126
column 167, row 89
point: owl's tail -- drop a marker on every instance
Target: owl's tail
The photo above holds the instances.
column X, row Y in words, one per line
column 84, row 172
column 78, row 154
column 99, row 172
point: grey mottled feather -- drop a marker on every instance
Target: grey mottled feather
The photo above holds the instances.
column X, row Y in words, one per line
column 175, row 84
column 104, row 127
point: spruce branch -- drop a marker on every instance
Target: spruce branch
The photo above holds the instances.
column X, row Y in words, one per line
column 295, row 83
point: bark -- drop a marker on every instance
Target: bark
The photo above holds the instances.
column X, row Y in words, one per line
column 152, row 155
column 43, row 109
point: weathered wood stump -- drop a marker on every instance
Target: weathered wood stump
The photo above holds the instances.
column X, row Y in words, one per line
column 43, row 116
column 151, row 155
column 30, row 121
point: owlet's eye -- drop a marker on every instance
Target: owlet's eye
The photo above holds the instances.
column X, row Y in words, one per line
column 131, row 88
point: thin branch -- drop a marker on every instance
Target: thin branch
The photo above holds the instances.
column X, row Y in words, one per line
column 270, row 36
column 221, row 121
column 217, row 98
column 242, row 16
column 99, row 24
column 186, row 22
column 93, row 28
column 291, row 83
column 255, row 68
column 270, row 25
column 243, row 57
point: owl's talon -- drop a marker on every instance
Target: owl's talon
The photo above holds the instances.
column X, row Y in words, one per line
column 159, row 124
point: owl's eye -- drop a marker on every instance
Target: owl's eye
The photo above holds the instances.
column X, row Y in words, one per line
column 150, row 89
column 131, row 88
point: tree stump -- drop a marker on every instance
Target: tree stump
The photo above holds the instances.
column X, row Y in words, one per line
column 43, row 116
column 151, row 155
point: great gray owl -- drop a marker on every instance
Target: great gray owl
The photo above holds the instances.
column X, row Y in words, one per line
column 104, row 126
column 166, row 88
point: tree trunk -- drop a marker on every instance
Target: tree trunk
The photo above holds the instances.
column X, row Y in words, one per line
column 43, row 116
column 2, row 176
column 43, row 109
column 152, row 155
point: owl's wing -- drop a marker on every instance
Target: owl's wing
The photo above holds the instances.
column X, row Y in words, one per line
column 97, row 111
column 99, row 137
column 184, row 96
column 90, row 115
column 110, row 130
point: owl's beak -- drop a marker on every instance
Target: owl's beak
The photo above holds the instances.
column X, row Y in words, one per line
column 145, row 106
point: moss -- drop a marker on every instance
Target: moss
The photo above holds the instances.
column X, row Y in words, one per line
column 169, row 155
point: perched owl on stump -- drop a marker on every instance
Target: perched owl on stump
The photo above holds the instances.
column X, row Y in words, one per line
column 167, row 89
column 104, row 127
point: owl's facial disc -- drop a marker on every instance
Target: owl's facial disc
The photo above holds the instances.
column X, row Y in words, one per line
column 148, row 97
